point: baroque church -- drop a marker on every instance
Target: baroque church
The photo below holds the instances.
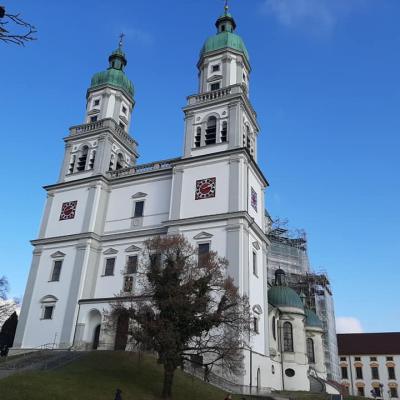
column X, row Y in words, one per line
column 105, row 205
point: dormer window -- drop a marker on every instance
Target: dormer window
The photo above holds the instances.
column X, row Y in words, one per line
column 215, row 68
column 215, row 86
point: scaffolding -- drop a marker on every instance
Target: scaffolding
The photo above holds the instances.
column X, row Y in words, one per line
column 288, row 250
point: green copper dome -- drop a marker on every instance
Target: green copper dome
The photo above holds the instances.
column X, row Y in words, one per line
column 114, row 75
column 225, row 37
column 312, row 319
column 284, row 296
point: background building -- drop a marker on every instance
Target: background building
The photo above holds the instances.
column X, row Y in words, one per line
column 370, row 364
column 288, row 250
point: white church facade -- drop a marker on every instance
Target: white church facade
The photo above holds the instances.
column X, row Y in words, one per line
column 105, row 205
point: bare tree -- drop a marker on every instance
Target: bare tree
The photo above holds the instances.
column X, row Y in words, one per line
column 7, row 307
column 13, row 29
column 187, row 309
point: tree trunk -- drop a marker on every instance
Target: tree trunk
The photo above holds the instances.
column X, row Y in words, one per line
column 168, row 380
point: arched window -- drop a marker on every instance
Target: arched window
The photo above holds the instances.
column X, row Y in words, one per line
column 310, row 351
column 120, row 162
column 224, row 132
column 197, row 138
column 111, row 167
column 82, row 159
column 273, row 328
column 287, row 337
column 211, row 131
column 92, row 158
column 72, row 164
column 248, row 136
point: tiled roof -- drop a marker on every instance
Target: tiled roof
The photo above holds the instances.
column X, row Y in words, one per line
column 369, row 343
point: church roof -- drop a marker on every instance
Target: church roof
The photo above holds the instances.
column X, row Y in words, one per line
column 312, row 319
column 284, row 296
column 225, row 38
column 369, row 343
column 114, row 75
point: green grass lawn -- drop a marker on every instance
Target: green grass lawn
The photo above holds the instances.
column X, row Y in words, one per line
column 97, row 375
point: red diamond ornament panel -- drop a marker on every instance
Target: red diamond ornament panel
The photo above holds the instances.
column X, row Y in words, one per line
column 68, row 210
column 205, row 188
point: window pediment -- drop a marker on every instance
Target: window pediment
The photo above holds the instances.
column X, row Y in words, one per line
column 214, row 78
column 48, row 299
column 257, row 309
column 203, row 235
column 58, row 254
column 110, row 251
column 139, row 195
column 256, row 245
column 132, row 249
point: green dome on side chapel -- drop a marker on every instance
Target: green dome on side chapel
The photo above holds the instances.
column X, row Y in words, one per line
column 225, row 37
column 312, row 319
column 284, row 296
column 114, row 75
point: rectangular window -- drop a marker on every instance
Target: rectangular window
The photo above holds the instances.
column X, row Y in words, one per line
column 48, row 312
column 374, row 373
column 55, row 275
column 360, row 391
column 128, row 284
column 121, row 125
column 373, row 359
column 255, row 272
column 215, row 68
column 376, row 392
column 96, row 102
column 255, row 325
column 124, row 110
column 93, row 118
column 342, row 358
column 131, row 266
column 393, row 392
column 391, row 373
column 204, row 249
column 344, row 373
column 357, row 358
column 359, row 374
column 215, row 86
column 389, row 358
column 109, row 270
column 139, row 206
column 155, row 259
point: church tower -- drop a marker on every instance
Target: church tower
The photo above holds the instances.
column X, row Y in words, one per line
column 220, row 117
column 102, row 143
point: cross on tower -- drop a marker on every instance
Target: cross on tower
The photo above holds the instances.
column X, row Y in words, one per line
column 121, row 39
column 226, row 7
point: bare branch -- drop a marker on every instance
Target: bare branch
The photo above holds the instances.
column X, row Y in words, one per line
column 27, row 33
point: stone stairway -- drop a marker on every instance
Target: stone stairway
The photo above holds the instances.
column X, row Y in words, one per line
column 37, row 361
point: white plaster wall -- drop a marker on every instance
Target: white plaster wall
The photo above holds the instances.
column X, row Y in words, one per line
column 120, row 210
column 216, row 205
column 55, row 227
column 256, row 184
column 39, row 331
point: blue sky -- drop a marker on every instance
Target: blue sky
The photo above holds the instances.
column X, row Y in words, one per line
column 325, row 84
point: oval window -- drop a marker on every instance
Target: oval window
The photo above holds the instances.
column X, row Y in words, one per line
column 289, row 372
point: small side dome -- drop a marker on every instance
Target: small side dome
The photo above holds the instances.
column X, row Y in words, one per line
column 284, row 296
column 312, row 319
